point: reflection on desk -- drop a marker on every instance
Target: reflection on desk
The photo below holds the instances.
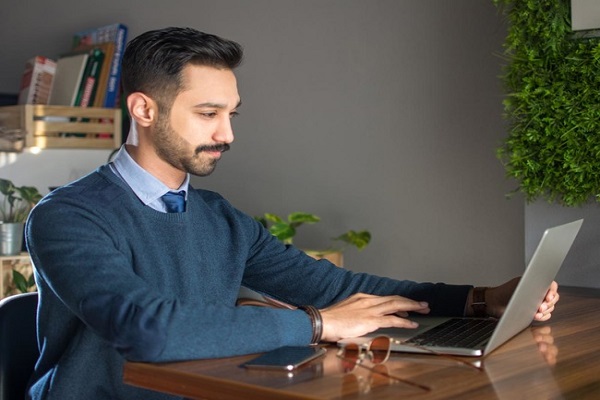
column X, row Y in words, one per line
column 554, row 360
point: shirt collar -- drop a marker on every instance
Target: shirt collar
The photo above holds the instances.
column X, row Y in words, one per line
column 145, row 186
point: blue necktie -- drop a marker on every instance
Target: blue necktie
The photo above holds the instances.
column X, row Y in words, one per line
column 175, row 201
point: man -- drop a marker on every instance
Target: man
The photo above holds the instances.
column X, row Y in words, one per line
column 122, row 277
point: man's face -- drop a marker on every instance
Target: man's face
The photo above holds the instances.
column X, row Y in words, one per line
column 198, row 128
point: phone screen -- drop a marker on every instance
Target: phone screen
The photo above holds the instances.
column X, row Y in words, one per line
column 285, row 358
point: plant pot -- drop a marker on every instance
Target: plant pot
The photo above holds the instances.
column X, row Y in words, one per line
column 11, row 238
column 336, row 257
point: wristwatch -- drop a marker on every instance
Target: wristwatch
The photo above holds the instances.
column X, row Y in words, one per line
column 479, row 305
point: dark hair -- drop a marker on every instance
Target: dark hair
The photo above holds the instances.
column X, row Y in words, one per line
column 153, row 61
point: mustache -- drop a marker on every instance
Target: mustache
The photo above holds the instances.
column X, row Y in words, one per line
column 216, row 147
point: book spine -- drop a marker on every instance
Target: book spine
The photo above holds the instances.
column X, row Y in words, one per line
column 91, row 81
column 112, row 87
column 108, row 49
column 82, row 82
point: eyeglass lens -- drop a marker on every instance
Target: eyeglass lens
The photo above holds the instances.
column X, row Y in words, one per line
column 380, row 349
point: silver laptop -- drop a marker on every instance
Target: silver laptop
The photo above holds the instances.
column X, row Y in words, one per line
column 523, row 305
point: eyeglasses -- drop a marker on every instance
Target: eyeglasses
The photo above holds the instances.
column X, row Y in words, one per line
column 377, row 351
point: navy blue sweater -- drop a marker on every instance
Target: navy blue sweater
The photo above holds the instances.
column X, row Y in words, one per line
column 120, row 281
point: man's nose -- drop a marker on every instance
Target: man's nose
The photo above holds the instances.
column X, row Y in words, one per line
column 224, row 132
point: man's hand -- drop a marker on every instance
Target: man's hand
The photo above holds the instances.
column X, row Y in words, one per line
column 547, row 307
column 362, row 313
column 497, row 298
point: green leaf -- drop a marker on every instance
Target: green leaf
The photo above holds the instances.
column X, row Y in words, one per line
column 31, row 281
column 20, row 281
column 358, row 239
column 29, row 194
column 17, row 201
column 273, row 217
column 301, row 217
column 282, row 231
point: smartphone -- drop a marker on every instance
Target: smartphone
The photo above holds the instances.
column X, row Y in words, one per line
column 285, row 358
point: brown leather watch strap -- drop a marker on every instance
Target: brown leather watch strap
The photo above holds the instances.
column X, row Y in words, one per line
column 479, row 305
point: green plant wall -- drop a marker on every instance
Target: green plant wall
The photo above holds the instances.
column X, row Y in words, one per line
column 552, row 103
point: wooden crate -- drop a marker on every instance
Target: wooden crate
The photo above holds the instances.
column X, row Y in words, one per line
column 62, row 127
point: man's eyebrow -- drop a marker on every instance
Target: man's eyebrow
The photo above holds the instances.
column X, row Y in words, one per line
column 216, row 105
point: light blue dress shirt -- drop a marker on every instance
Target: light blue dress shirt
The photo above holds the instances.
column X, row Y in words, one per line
column 145, row 186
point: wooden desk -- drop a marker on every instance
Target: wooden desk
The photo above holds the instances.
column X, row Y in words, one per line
column 566, row 367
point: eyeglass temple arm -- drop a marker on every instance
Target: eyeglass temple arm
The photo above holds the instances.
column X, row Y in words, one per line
column 447, row 356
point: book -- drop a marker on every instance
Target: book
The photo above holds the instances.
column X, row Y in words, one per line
column 65, row 85
column 88, row 85
column 89, row 80
column 108, row 49
column 114, row 33
column 36, row 81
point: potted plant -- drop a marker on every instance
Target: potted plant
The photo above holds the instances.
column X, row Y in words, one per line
column 285, row 230
column 15, row 206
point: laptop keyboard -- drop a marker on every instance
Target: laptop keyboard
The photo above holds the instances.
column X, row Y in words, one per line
column 456, row 332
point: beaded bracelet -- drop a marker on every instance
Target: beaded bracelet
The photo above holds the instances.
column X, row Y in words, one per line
column 317, row 323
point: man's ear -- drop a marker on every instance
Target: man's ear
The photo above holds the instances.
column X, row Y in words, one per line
column 142, row 109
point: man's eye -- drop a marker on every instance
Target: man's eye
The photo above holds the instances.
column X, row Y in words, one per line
column 209, row 114
column 234, row 114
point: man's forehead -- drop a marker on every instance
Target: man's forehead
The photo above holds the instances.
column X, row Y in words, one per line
column 210, row 86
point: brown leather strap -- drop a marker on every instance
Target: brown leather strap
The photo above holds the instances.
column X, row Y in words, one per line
column 479, row 305
column 317, row 323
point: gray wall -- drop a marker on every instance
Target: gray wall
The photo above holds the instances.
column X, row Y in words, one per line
column 373, row 114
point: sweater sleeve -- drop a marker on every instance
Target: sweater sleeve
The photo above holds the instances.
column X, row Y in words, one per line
column 288, row 274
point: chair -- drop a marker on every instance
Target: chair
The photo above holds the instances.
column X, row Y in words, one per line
column 18, row 344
